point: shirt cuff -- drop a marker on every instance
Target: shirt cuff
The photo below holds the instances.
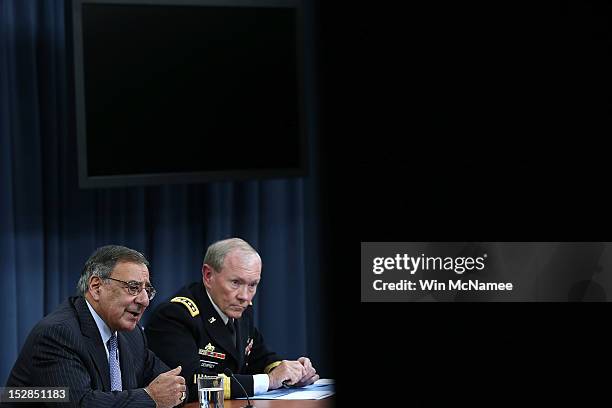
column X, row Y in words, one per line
column 261, row 382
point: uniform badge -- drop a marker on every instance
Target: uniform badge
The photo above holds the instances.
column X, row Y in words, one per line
column 209, row 351
column 208, row 364
column 212, row 320
column 248, row 348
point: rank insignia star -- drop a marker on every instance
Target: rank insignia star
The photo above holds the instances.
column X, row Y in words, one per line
column 212, row 320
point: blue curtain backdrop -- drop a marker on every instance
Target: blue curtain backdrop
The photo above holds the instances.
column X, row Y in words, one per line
column 48, row 226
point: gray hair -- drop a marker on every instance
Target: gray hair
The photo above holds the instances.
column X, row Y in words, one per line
column 215, row 254
column 102, row 262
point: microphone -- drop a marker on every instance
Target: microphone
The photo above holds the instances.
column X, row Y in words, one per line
column 229, row 373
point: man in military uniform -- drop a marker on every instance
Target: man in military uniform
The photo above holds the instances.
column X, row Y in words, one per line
column 209, row 327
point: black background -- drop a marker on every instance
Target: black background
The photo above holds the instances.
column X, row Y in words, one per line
column 453, row 122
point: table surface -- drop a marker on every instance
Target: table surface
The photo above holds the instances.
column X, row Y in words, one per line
column 322, row 403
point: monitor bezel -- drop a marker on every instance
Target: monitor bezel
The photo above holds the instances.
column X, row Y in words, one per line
column 148, row 179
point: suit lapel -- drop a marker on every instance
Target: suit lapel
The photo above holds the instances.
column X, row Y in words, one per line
column 128, row 377
column 93, row 342
column 216, row 329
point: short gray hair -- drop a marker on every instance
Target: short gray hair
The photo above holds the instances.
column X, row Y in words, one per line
column 215, row 254
column 102, row 262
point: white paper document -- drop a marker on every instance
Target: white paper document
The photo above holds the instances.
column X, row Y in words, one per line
column 303, row 395
column 322, row 388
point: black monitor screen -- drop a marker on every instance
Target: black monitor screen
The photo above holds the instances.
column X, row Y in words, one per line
column 187, row 91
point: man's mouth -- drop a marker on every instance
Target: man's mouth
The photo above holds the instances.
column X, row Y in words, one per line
column 135, row 314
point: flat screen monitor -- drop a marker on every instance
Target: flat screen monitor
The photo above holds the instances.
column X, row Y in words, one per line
column 187, row 91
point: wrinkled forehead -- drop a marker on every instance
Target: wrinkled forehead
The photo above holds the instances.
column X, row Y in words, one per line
column 131, row 271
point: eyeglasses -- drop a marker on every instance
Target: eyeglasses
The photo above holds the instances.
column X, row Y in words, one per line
column 135, row 287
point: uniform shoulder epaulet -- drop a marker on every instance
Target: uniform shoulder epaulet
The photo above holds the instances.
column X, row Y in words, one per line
column 188, row 303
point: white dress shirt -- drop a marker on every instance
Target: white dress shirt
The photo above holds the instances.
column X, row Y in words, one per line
column 105, row 331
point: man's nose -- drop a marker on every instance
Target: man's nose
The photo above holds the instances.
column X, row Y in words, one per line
column 142, row 298
column 243, row 293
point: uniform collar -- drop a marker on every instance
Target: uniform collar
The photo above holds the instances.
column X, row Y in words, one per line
column 223, row 316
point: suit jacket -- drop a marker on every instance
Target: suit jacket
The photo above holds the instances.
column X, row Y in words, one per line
column 187, row 330
column 65, row 349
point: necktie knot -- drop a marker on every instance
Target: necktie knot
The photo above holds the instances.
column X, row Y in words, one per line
column 112, row 344
column 230, row 326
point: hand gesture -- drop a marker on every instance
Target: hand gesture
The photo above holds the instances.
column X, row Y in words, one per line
column 290, row 371
column 310, row 374
column 168, row 389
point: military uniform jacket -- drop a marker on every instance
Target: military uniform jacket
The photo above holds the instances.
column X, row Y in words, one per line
column 188, row 331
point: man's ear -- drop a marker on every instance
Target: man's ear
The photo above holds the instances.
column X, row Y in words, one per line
column 207, row 272
column 94, row 287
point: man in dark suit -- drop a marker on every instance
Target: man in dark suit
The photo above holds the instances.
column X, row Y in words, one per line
column 93, row 344
column 209, row 327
